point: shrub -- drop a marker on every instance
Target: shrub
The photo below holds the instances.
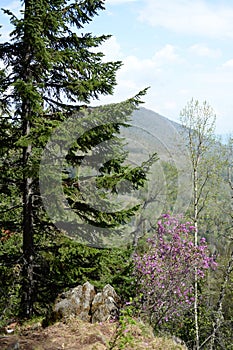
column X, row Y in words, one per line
column 165, row 274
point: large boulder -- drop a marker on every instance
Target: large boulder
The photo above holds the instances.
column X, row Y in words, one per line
column 105, row 305
column 83, row 302
column 75, row 302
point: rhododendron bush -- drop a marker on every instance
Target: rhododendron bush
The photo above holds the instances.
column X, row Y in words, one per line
column 165, row 274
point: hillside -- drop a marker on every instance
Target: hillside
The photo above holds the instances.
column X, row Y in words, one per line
column 152, row 133
column 75, row 334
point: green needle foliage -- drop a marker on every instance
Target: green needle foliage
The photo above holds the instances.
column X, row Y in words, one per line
column 50, row 73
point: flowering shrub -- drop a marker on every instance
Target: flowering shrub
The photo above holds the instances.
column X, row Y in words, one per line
column 165, row 274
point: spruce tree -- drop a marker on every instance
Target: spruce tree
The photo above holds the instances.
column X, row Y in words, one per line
column 51, row 73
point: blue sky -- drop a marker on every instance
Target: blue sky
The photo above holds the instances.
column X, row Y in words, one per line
column 180, row 48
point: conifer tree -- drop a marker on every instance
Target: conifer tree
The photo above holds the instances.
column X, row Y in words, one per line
column 50, row 73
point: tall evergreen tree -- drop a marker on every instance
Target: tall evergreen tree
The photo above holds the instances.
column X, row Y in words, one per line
column 50, row 71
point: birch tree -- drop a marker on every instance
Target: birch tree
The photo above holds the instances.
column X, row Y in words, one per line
column 198, row 123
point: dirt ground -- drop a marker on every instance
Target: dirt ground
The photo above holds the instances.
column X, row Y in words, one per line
column 78, row 335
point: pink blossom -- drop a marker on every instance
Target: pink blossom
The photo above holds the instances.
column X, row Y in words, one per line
column 166, row 272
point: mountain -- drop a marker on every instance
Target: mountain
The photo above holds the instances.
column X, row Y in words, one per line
column 170, row 175
column 153, row 121
column 150, row 132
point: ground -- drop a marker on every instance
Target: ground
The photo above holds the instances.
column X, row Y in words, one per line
column 75, row 334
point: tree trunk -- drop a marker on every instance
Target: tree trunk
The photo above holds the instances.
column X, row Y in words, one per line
column 27, row 299
column 195, row 242
column 28, row 246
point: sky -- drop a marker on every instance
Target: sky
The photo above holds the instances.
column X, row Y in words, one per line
column 182, row 49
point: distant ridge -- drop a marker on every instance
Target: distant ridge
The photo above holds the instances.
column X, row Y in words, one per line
column 150, row 115
column 151, row 132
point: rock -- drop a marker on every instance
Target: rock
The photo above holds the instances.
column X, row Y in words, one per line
column 75, row 302
column 105, row 305
column 83, row 302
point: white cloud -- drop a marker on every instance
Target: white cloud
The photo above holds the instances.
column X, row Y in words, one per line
column 139, row 70
column 199, row 17
column 137, row 73
column 148, row 69
column 111, row 49
column 174, row 81
column 228, row 64
column 166, row 54
column 205, row 51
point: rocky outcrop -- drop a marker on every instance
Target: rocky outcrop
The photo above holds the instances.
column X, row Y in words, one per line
column 75, row 302
column 105, row 305
column 84, row 303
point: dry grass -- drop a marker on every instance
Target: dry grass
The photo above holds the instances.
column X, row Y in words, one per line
column 75, row 334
